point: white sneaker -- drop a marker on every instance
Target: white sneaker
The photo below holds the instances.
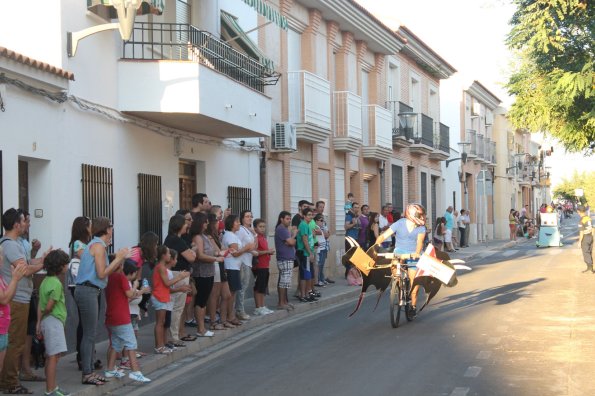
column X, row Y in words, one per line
column 138, row 376
column 243, row 316
column 267, row 311
column 258, row 312
column 113, row 373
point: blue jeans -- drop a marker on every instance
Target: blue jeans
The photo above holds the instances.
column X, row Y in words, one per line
column 321, row 260
column 87, row 300
column 245, row 278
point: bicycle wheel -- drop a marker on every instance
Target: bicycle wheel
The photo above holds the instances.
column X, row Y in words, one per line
column 395, row 307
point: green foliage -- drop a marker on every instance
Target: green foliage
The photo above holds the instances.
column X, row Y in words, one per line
column 554, row 80
column 584, row 180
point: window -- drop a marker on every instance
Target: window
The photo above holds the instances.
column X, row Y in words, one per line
column 397, row 175
column 98, row 192
column 239, row 199
column 149, row 205
column 424, row 189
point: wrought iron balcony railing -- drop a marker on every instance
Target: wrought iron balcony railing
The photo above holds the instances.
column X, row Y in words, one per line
column 399, row 129
column 176, row 41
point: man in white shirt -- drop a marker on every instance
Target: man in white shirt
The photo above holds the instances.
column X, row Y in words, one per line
column 383, row 223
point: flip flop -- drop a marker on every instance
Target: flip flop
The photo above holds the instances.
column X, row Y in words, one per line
column 207, row 333
column 188, row 338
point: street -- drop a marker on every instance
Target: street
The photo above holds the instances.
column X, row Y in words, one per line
column 520, row 323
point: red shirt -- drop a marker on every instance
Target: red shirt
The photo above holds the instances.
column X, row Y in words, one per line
column 117, row 312
column 390, row 219
column 160, row 290
column 264, row 259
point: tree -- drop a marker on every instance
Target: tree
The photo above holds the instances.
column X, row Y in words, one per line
column 554, row 80
column 585, row 181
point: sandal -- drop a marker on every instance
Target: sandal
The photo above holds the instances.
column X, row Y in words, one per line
column 94, row 379
column 229, row 325
column 30, row 377
column 18, row 390
column 218, row 326
column 188, row 338
column 178, row 344
column 236, row 322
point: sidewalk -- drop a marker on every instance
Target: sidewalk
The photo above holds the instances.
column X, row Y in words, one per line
column 69, row 377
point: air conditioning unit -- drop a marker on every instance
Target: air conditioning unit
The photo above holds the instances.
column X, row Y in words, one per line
column 284, row 137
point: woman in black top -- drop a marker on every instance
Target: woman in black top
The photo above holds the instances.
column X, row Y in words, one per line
column 373, row 230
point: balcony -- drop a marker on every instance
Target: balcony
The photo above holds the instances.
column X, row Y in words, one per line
column 401, row 136
column 441, row 142
column 379, row 145
column 423, row 136
column 493, row 152
column 480, row 149
column 309, row 101
column 348, row 121
column 194, row 82
column 470, row 137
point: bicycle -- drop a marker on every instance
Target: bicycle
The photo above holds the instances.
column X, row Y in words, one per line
column 400, row 291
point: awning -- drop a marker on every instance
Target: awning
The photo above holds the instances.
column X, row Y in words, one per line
column 235, row 36
column 105, row 8
column 268, row 12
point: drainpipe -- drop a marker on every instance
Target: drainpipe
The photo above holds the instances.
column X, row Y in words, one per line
column 262, row 172
column 382, row 184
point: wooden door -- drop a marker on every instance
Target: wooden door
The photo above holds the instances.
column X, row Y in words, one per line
column 187, row 178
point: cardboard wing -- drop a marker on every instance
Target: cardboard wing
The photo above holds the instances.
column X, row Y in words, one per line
column 362, row 261
column 432, row 266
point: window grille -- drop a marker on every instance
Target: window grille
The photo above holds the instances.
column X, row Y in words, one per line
column 150, row 216
column 397, row 176
column 239, row 199
column 98, row 192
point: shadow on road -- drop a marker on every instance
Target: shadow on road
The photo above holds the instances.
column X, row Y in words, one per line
column 500, row 295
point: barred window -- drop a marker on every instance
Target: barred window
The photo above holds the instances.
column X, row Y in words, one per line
column 98, row 192
column 150, row 216
column 239, row 199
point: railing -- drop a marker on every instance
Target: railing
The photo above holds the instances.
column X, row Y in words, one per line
column 436, row 140
column 179, row 41
column 309, row 99
column 493, row 152
column 398, row 127
column 427, row 131
column 348, row 115
column 480, row 147
column 380, row 121
column 470, row 137
column 444, row 138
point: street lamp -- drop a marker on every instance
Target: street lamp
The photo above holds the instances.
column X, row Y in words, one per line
column 126, row 10
column 463, row 157
column 408, row 119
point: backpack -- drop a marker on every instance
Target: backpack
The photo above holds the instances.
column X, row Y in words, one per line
column 73, row 270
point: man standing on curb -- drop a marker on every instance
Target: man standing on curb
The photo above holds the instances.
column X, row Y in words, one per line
column 585, row 238
column 14, row 224
column 450, row 223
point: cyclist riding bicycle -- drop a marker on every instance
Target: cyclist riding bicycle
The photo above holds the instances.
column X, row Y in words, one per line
column 410, row 232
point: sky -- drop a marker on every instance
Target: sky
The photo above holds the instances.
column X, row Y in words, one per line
column 468, row 34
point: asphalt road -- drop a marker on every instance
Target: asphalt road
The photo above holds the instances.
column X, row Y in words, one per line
column 521, row 323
